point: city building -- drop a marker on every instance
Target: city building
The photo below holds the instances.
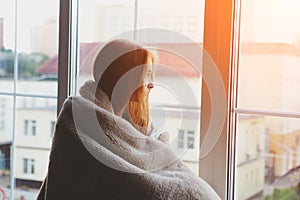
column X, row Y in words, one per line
column 284, row 152
column 35, row 127
column 105, row 21
column 5, row 134
column 250, row 160
column 43, row 37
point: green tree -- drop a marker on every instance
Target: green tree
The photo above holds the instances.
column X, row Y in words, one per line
column 27, row 63
column 283, row 194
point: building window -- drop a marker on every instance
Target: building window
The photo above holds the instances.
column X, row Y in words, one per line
column 28, row 166
column 180, row 139
column 190, row 139
column 2, row 124
column 186, row 139
column 52, row 127
column 2, row 160
column 2, row 114
column 30, row 127
column 2, row 103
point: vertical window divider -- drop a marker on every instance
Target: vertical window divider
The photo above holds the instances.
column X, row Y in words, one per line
column 74, row 49
column 233, row 99
column 12, row 156
column 217, row 42
column 68, row 50
column 63, row 53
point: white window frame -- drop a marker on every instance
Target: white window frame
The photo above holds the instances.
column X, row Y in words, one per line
column 220, row 28
column 29, row 127
column 219, row 14
column 28, row 166
column 68, row 50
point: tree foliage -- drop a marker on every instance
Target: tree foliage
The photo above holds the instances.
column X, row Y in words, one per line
column 283, row 194
column 27, row 63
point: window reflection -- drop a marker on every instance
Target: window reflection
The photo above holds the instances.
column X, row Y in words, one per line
column 267, row 147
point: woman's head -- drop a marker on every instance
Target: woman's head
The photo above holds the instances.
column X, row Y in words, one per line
column 124, row 70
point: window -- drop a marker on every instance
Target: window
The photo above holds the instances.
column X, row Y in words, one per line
column 175, row 99
column 52, row 128
column 2, row 124
column 30, row 127
column 2, row 114
column 2, row 161
column 26, row 127
column 190, row 141
column 267, row 105
column 180, row 139
column 28, row 91
column 28, row 166
column 259, row 70
column 186, row 139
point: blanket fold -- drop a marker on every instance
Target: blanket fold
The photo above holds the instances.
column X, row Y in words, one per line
column 98, row 155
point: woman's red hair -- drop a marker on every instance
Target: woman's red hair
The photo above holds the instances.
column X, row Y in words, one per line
column 108, row 70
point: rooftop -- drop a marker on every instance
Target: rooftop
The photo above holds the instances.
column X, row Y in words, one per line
column 167, row 58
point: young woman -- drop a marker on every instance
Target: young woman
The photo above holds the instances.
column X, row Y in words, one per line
column 96, row 154
column 124, row 70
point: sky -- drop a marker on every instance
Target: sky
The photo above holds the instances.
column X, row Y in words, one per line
column 281, row 20
column 30, row 13
column 33, row 13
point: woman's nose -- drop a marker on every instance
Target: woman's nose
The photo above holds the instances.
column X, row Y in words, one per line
column 150, row 85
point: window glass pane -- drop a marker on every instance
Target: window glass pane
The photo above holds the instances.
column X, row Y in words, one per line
column 7, row 29
column 26, row 127
column 37, row 47
column 267, row 157
column 267, row 147
column 180, row 139
column 33, row 127
column 6, row 117
column 25, row 165
column 98, row 22
column 177, row 37
column 34, row 147
column 52, row 128
column 32, row 166
column 29, row 127
column 270, row 55
column 175, row 98
column 183, row 17
column 37, row 43
column 190, row 142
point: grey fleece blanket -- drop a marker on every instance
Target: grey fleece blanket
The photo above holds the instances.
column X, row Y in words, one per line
column 98, row 155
